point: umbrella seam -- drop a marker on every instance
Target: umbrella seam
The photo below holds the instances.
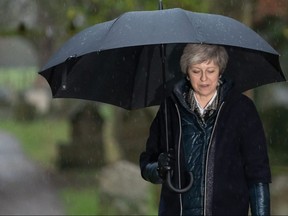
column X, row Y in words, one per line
column 195, row 27
column 104, row 37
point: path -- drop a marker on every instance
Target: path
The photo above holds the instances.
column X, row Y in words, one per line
column 25, row 189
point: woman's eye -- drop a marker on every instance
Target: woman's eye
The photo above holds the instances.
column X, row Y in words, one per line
column 195, row 71
column 211, row 71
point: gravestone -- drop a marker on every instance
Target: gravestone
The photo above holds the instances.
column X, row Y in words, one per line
column 134, row 131
column 122, row 191
column 86, row 146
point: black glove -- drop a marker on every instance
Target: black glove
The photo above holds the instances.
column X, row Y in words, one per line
column 166, row 163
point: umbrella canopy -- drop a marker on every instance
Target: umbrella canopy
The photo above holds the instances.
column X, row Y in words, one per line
column 120, row 61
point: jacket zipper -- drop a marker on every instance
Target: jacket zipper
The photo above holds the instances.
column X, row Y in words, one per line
column 178, row 162
column 206, row 166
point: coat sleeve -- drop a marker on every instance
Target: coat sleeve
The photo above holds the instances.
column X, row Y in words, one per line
column 254, row 146
column 259, row 196
column 149, row 158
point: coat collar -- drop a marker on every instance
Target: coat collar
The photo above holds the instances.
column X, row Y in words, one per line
column 183, row 90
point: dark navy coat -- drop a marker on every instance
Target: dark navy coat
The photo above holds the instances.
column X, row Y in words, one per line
column 236, row 157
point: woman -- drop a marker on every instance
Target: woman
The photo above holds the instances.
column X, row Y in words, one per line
column 216, row 134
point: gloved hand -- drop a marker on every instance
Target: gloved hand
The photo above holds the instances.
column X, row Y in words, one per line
column 166, row 163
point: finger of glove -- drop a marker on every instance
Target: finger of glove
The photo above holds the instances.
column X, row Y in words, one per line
column 163, row 171
column 166, row 168
column 170, row 157
column 171, row 154
column 163, row 159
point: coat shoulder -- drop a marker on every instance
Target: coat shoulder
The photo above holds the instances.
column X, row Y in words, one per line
column 241, row 101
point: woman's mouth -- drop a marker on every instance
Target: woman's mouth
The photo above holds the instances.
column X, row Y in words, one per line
column 204, row 85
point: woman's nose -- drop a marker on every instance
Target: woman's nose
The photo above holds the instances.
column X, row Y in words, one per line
column 203, row 76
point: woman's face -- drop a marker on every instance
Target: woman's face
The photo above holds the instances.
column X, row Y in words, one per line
column 204, row 78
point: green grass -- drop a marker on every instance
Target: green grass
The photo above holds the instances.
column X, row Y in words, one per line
column 80, row 201
column 279, row 170
column 18, row 78
column 39, row 138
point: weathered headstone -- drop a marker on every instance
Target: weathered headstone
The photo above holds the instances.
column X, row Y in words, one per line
column 123, row 190
column 134, row 131
column 86, row 146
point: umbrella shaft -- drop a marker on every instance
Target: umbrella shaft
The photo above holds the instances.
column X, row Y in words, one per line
column 163, row 61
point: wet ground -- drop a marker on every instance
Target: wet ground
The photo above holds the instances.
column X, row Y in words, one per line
column 25, row 189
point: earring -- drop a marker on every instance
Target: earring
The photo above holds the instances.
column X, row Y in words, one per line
column 220, row 82
column 187, row 77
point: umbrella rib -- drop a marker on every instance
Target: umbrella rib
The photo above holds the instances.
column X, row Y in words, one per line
column 114, row 22
column 192, row 24
column 147, row 78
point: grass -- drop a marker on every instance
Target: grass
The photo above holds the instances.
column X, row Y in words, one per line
column 80, row 201
column 17, row 78
column 38, row 138
column 279, row 170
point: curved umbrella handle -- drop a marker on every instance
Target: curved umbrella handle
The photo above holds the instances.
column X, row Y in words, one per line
column 179, row 190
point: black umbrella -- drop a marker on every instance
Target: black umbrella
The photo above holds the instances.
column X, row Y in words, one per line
column 133, row 61
column 119, row 62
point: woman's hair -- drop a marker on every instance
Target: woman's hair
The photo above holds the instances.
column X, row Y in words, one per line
column 199, row 53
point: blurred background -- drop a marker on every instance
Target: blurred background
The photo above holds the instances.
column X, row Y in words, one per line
column 88, row 151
